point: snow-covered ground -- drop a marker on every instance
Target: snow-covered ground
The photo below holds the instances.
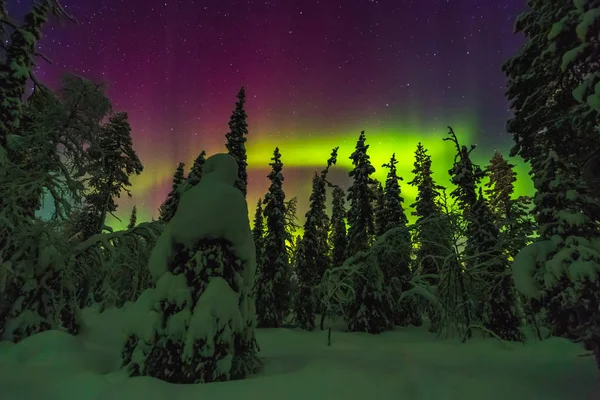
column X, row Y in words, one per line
column 405, row 364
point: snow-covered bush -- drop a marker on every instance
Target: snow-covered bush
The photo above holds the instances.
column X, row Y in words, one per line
column 200, row 319
column 36, row 292
column 110, row 269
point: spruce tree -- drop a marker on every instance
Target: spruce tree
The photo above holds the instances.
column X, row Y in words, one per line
column 512, row 215
column 466, row 176
column 197, row 170
column 115, row 160
column 168, row 208
column 555, row 129
column 236, row 140
column 314, row 260
column 431, row 239
column 379, row 209
column 499, row 298
column 273, row 286
column 569, row 237
column 545, row 83
column 360, row 215
column 258, row 233
column 427, row 212
column 338, row 227
column 132, row 218
column 17, row 67
column 393, row 210
column 371, row 307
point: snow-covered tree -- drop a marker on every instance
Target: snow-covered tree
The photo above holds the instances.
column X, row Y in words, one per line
column 258, row 233
column 371, row 306
column 512, row 215
column 313, row 258
column 360, row 214
column 114, row 161
column 197, row 325
column 168, row 208
column 466, row 176
column 338, row 227
column 559, row 270
column 392, row 252
column 197, row 170
column 549, row 83
column 236, row 140
column 426, row 209
column 273, row 286
column 582, row 62
column 379, row 209
column 17, row 67
column 132, row 218
column 496, row 301
column 393, row 210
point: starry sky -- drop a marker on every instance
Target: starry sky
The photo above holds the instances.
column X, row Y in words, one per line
column 316, row 72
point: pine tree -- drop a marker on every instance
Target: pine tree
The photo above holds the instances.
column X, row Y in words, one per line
column 379, row 207
column 498, row 297
column 273, row 286
column 338, row 227
column 393, row 211
column 132, row 218
column 360, row 215
column 236, row 140
column 197, row 170
column 115, row 160
column 168, row 208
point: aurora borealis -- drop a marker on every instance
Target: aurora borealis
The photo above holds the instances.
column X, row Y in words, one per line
column 316, row 74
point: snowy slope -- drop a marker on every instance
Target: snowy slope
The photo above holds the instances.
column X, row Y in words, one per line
column 403, row 364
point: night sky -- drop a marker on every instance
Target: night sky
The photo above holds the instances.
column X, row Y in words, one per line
column 316, row 74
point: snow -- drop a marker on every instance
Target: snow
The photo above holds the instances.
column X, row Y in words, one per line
column 525, row 265
column 587, row 21
column 212, row 209
column 217, row 309
column 407, row 363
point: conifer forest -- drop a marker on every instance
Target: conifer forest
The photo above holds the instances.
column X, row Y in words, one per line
column 298, row 264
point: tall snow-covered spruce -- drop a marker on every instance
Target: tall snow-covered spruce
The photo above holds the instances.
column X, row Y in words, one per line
column 360, row 214
column 236, row 140
column 314, row 250
column 198, row 323
column 498, row 296
column 432, row 241
column 393, row 248
column 273, row 286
